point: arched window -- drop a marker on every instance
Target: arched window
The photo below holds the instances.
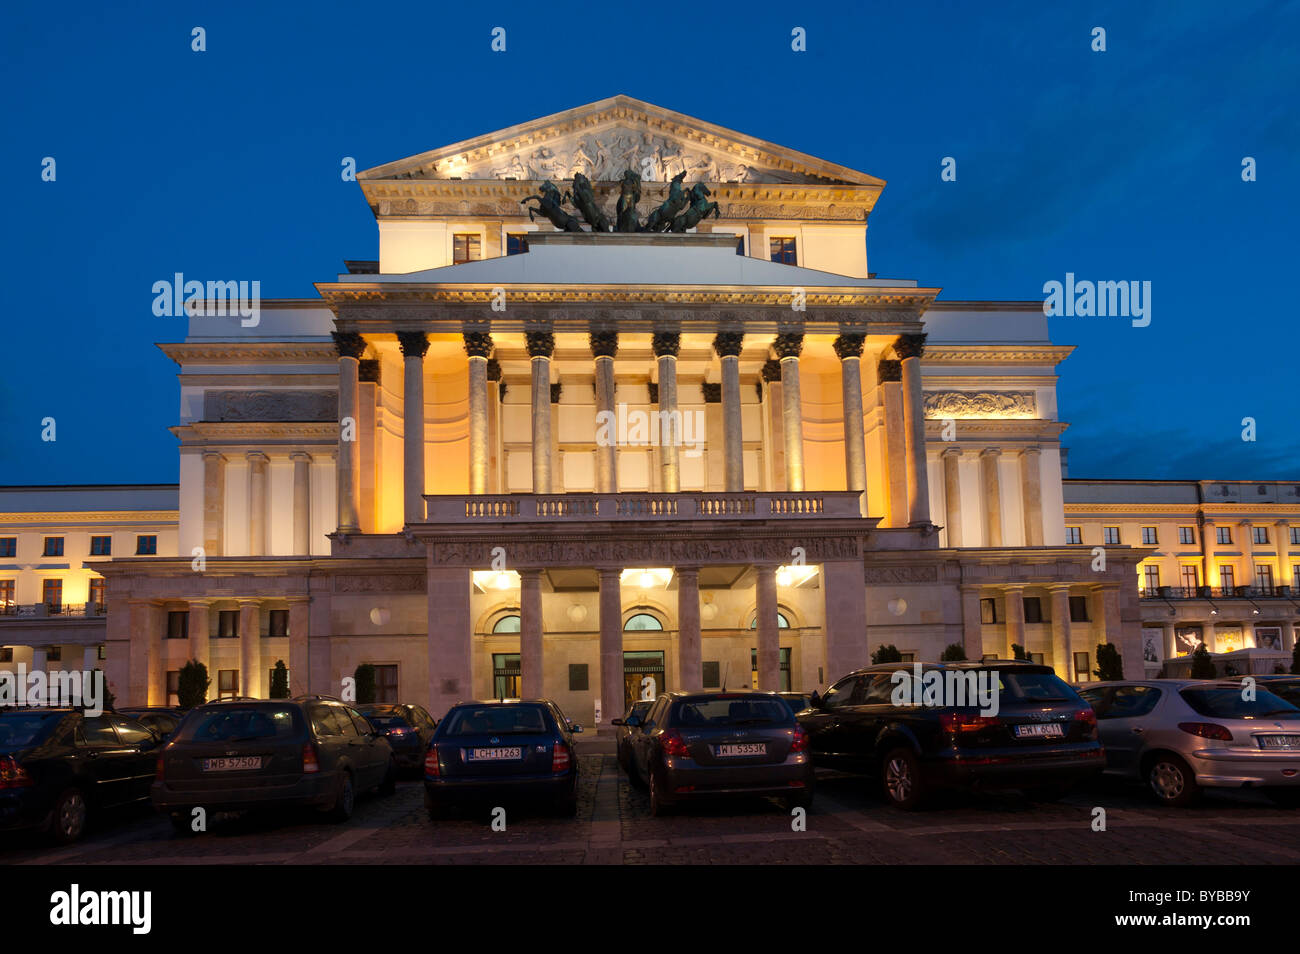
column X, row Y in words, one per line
column 781, row 622
column 507, row 624
column 642, row 621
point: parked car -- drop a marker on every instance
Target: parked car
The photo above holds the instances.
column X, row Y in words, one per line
column 248, row 753
column 164, row 720
column 1181, row 736
column 502, row 750
column 59, row 767
column 627, row 725
column 409, row 729
column 1285, row 685
column 798, row 701
column 694, row 744
column 1043, row 739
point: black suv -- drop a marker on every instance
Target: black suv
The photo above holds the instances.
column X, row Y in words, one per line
column 1042, row 739
column 250, row 753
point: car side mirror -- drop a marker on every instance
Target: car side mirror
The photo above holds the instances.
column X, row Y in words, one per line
column 575, row 729
column 815, row 701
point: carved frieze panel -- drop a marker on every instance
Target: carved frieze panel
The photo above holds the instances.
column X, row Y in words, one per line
column 955, row 405
column 380, row 583
column 902, row 574
column 270, row 405
column 625, row 553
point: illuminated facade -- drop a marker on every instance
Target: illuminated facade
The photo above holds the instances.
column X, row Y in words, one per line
column 505, row 459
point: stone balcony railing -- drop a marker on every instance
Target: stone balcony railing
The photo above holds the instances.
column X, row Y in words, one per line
column 51, row 610
column 520, row 508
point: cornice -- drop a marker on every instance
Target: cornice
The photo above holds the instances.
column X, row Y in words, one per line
column 1012, row 428
column 223, row 352
column 936, row 355
column 69, row 517
column 254, row 431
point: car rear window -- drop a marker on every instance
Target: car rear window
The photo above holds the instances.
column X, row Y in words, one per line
column 242, row 723
column 387, row 721
column 1225, row 703
column 495, row 720
column 21, row 729
column 724, row 710
column 1035, row 687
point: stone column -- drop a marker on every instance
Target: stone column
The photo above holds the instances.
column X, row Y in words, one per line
column 788, row 348
column 611, row 646
column 1283, row 530
column 414, row 345
column 200, row 628
column 478, row 345
column 845, row 612
column 40, row 663
column 952, row 494
column 769, row 645
column 1062, row 644
column 250, row 649
column 350, row 347
column 145, row 648
column 1207, row 633
column 496, row 394
column 1209, row 540
column 530, row 634
column 666, row 346
column 1014, row 598
column 368, row 382
column 1247, row 575
column 299, row 648
column 972, row 628
column 890, row 375
column 1168, row 638
column 690, row 668
column 604, row 345
column 728, row 346
column 541, row 345
column 1288, row 635
column 849, row 349
column 301, row 502
column 909, row 349
column 773, row 441
column 1032, row 493
column 256, row 503
column 450, row 628
column 214, row 503
column 1127, row 640
column 990, row 466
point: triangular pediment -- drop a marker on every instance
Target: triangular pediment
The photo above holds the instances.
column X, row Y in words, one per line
column 602, row 139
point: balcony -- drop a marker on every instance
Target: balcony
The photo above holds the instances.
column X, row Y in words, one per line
column 547, row 508
column 1217, row 593
column 52, row 610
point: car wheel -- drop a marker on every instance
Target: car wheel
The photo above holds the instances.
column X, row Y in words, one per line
column 901, row 777
column 345, row 800
column 1284, row 797
column 658, row 807
column 389, row 785
column 1172, row 782
column 68, row 821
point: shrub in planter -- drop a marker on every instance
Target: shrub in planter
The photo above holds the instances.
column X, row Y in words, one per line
column 192, row 685
column 887, row 654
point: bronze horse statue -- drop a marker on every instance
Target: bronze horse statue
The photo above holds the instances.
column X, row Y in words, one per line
column 661, row 219
column 550, row 203
column 585, row 200
column 629, row 196
column 700, row 208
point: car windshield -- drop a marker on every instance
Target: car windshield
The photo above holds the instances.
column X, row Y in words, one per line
column 21, row 729
column 494, row 720
column 239, row 724
column 1034, row 687
column 1228, row 703
column 703, row 712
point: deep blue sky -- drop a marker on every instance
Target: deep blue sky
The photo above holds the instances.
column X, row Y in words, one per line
column 1117, row 165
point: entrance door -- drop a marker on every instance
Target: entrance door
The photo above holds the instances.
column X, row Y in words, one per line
column 643, row 676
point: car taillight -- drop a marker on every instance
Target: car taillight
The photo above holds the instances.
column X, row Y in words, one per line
column 1206, row 730
column 800, row 741
column 955, row 722
column 158, row 769
column 398, row 730
column 1086, row 716
column 13, row 775
column 560, row 758
column 310, row 764
column 673, row 744
column 431, row 762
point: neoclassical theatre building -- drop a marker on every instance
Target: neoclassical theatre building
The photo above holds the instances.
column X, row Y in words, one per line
column 510, row 458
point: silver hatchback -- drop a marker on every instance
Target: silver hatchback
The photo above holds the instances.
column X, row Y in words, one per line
column 1183, row 735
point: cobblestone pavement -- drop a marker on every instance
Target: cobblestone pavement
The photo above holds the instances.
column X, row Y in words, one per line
column 848, row 824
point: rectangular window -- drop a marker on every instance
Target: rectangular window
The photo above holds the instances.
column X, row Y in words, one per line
column 465, row 248
column 9, row 546
column 783, row 250
column 1223, row 534
column 1264, row 580
column 1187, row 535
column 6, row 596
column 740, row 245
column 146, row 545
column 1073, row 534
column 173, row 687
column 1078, row 609
column 711, row 673
column 54, row 654
column 1295, row 538
column 98, row 597
column 1082, row 671
column 1150, row 579
column 988, row 611
column 907, row 657
column 578, row 679
column 178, row 624
column 1295, row 578
column 1112, row 535
column 52, row 595
column 6, row 654
column 1149, row 536
column 386, row 684
column 101, row 546
column 516, row 243
column 277, row 622
column 1190, row 579
column 101, row 652
column 1033, row 609
column 1226, row 582
column 505, row 676
column 53, row 546
column 227, row 624
column 784, row 674
column 227, row 683
column 1037, row 658
column 1259, row 534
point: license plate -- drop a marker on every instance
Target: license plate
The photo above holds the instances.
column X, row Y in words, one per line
column 1279, row 741
column 496, row 755
column 1040, row 730
column 748, row 748
column 247, row 763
